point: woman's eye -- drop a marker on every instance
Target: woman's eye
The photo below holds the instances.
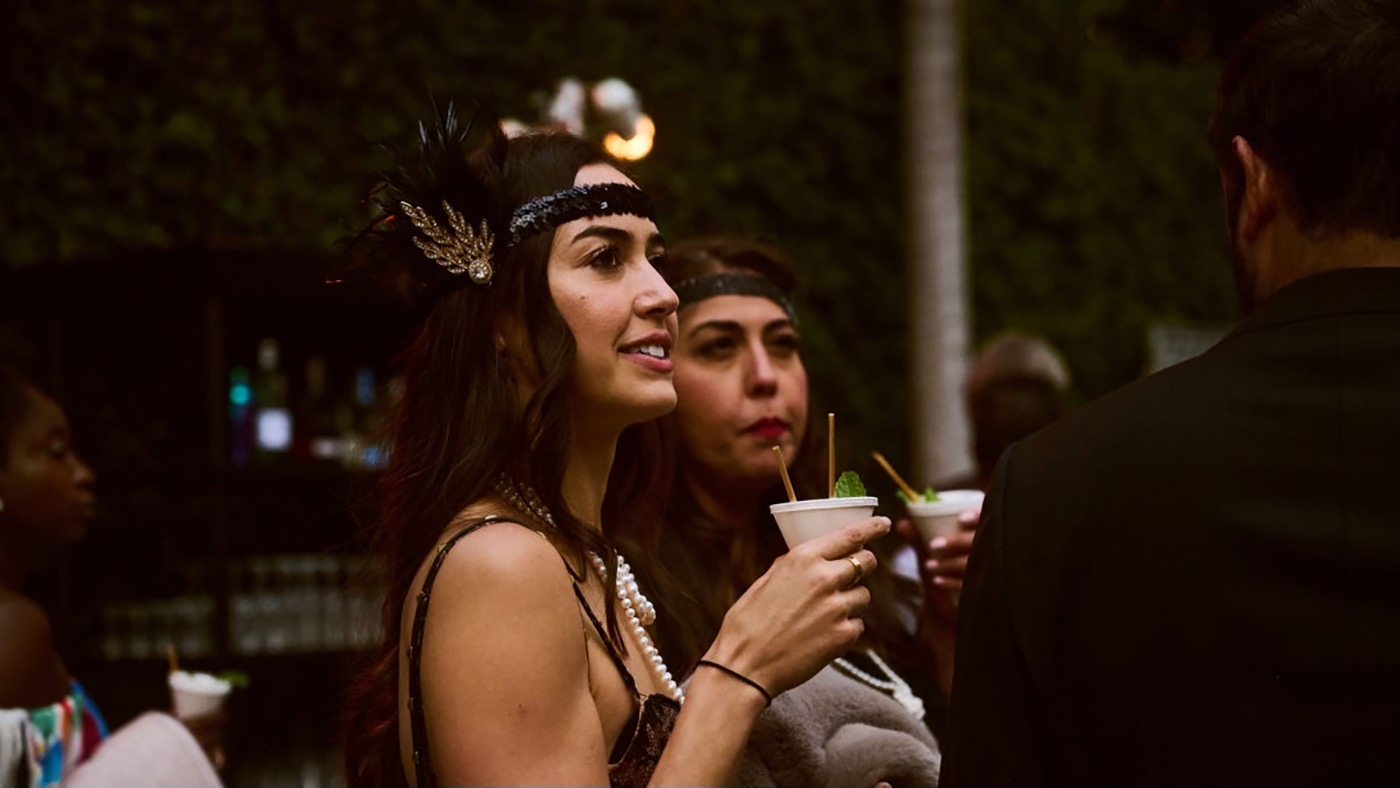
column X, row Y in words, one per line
column 658, row 261
column 606, row 258
column 58, row 449
column 716, row 348
column 787, row 344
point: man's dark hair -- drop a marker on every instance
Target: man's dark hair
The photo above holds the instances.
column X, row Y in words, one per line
column 1315, row 89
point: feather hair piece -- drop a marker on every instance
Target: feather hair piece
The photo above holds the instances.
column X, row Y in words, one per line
column 442, row 201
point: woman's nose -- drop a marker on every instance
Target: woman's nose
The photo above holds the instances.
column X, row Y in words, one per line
column 82, row 474
column 656, row 298
column 763, row 378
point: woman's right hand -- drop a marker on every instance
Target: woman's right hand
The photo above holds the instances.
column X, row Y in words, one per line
column 803, row 612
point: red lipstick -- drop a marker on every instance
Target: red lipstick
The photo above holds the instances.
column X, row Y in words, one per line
column 768, row 429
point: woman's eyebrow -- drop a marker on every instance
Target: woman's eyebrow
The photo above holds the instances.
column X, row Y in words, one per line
column 728, row 326
column 616, row 234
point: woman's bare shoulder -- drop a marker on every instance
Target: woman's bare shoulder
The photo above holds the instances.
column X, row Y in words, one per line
column 31, row 672
column 506, row 553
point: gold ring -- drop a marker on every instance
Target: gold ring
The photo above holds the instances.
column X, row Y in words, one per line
column 860, row 570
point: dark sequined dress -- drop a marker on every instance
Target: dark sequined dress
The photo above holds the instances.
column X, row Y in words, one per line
column 638, row 749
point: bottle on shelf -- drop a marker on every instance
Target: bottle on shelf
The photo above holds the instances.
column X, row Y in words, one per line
column 272, row 415
column 361, row 422
column 240, row 417
column 317, row 438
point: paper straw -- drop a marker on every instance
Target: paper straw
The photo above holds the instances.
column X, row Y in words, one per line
column 782, row 469
column 171, row 656
column 903, row 485
column 831, row 455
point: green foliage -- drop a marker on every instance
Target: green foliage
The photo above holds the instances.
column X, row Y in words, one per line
column 1093, row 197
column 1091, row 194
column 153, row 123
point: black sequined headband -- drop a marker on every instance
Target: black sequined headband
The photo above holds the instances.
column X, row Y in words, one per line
column 600, row 199
column 699, row 288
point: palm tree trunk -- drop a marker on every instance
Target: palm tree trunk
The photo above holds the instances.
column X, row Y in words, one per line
column 939, row 301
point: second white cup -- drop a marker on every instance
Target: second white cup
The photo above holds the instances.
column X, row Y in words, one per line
column 940, row 517
column 197, row 694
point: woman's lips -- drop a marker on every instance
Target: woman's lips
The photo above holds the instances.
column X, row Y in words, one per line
column 768, row 429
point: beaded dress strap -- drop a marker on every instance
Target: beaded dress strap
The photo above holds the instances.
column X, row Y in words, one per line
column 422, row 763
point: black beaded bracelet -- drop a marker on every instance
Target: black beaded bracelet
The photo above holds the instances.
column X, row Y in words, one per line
column 767, row 699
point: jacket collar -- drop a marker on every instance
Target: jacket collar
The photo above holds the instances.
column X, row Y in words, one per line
column 1332, row 293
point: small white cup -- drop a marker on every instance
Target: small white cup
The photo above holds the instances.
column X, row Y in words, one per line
column 197, row 694
column 940, row 517
column 802, row 520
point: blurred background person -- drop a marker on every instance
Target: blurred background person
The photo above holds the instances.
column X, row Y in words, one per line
column 1017, row 384
column 741, row 389
column 49, row 727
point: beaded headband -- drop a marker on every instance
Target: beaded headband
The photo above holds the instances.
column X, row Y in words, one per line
column 699, row 288
column 460, row 249
column 600, row 199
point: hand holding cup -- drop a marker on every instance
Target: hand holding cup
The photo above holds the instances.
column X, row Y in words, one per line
column 804, row 611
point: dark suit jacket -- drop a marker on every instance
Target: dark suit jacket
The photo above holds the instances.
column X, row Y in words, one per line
column 1196, row 579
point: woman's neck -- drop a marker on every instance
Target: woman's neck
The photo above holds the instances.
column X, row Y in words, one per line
column 586, row 476
column 15, row 565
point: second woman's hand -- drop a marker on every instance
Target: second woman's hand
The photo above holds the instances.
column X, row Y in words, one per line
column 803, row 612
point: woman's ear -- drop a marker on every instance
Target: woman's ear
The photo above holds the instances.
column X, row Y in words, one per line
column 514, row 352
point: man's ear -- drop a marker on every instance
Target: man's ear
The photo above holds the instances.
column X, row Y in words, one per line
column 1259, row 192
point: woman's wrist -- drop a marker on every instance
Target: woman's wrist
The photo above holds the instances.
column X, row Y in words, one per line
column 737, row 676
column 717, row 686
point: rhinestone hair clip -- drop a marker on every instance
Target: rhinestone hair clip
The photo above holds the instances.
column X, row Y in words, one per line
column 601, row 199
column 461, row 250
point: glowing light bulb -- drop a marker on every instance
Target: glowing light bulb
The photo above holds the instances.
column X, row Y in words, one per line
column 635, row 148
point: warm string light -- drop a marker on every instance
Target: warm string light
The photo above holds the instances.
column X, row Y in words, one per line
column 609, row 105
column 632, row 149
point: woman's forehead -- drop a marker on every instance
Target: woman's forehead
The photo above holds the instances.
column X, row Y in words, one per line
column 747, row 310
column 597, row 173
column 594, row 175
column 40, row 417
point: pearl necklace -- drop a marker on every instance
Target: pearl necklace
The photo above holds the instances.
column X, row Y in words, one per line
column 639, row 610
column 897, row 687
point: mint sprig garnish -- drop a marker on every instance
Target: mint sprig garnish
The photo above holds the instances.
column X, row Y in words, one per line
column 849, row 485
column 929, row 495
column 235, row 678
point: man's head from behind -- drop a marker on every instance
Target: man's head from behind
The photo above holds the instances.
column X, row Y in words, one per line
column 1307, row 134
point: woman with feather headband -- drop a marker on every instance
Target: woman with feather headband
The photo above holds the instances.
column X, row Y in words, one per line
column 523, row 433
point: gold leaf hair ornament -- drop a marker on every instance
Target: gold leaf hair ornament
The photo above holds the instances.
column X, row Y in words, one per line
column 462, row 250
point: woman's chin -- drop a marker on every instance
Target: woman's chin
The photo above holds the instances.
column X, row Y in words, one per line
column 653, row 408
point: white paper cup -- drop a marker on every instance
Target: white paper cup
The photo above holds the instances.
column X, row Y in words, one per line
column 940, row 517
column 803, row 520
column 197, row 694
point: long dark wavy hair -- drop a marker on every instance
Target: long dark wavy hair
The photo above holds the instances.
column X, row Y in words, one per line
column 701, row 569
column 463, row 418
